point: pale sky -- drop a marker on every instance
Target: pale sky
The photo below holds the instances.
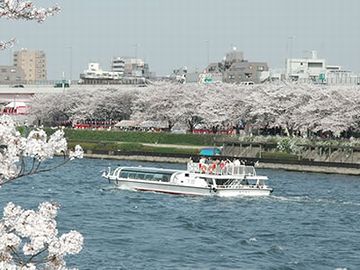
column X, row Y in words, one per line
column 171, row 33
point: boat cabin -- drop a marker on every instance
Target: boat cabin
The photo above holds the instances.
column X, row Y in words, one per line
column 149, row 174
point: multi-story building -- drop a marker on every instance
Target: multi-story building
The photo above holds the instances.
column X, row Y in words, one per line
column 135, row 67
column 33, row 64
column 118, row 65
column 239, row 70
column 95, row 75
column 232, row 57
column 235, row 69
column 336, row 75
column 124, row 70
column 11, row 75
column 314, row 69
column 246, row 72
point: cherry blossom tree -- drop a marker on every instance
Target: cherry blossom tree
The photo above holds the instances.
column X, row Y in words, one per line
column 106, row 104
column 51, row 109
column 293, row 108
column 21, row 156
column 29, row 239
column 19, row 9
column 158, row 102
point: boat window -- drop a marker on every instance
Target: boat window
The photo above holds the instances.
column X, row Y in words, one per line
column 123, row 174
column 140, row 176
column 221, row 181
column 157, row 177
column 209, row 181
column 165, row 178
column 244, row 182
column 146, row 175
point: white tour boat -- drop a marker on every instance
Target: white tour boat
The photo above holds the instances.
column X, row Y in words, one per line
column 224, row 180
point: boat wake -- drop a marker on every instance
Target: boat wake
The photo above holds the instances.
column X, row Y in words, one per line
column 308, row 199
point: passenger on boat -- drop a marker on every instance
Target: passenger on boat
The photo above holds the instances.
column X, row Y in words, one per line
column 203, row 168
column 212, row 168
column 222, row 164
column 202, row 160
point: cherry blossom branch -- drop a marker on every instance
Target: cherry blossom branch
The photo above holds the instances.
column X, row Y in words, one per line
column 19, row 9
column 15, row 149
column 7, row 44
column 25, row 10
column 37, row 254
column 30, row 238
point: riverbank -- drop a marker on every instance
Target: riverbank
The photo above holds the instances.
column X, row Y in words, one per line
column 290, row 165
column 314, row 156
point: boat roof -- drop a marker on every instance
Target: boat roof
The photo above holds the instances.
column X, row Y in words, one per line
column 231, row 176
column 150, row 170
column 172, row 171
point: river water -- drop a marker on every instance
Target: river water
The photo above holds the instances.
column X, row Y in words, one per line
column 311, row 221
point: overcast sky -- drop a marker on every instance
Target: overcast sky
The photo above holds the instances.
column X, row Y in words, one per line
column 173, row 33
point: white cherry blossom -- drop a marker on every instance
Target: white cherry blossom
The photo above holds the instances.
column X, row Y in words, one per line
column 19, row 9
column 15, row 150
column 36, row 233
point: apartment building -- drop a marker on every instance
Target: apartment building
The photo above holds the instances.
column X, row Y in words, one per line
column 235, row 69
column 11, row 75
column 32, row 63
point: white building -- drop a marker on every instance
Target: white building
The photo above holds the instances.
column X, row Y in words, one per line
column 336, row 75
column 118, row 65
column 134, row 67
column 303, row 69
column 95, row 72
column 95, row 75
column 316, row 70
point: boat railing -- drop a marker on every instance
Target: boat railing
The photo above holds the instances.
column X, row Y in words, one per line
column 241, row 186
column 221, row 169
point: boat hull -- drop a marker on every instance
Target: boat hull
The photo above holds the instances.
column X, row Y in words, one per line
column 243, row 192
column 162, row 187
column 170, row 188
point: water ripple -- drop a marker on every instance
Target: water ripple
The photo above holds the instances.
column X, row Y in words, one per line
column 311, row 221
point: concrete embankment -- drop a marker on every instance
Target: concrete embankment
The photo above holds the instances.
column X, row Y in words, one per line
column 310, row 168
column 338, row 168
column 140, row 158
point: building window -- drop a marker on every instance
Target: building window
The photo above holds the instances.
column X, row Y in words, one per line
column 260, row 68
column 315, row 65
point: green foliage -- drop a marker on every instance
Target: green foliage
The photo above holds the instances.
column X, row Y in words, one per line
column 22, row 130
column 132, row 141
column 278, row 155
column 132, row 147
column 138, row 137
column 289, row 145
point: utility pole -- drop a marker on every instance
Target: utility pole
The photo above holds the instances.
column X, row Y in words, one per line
column 136, row 50
column 207, row 52
column 71, row 62
column 290, row 40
